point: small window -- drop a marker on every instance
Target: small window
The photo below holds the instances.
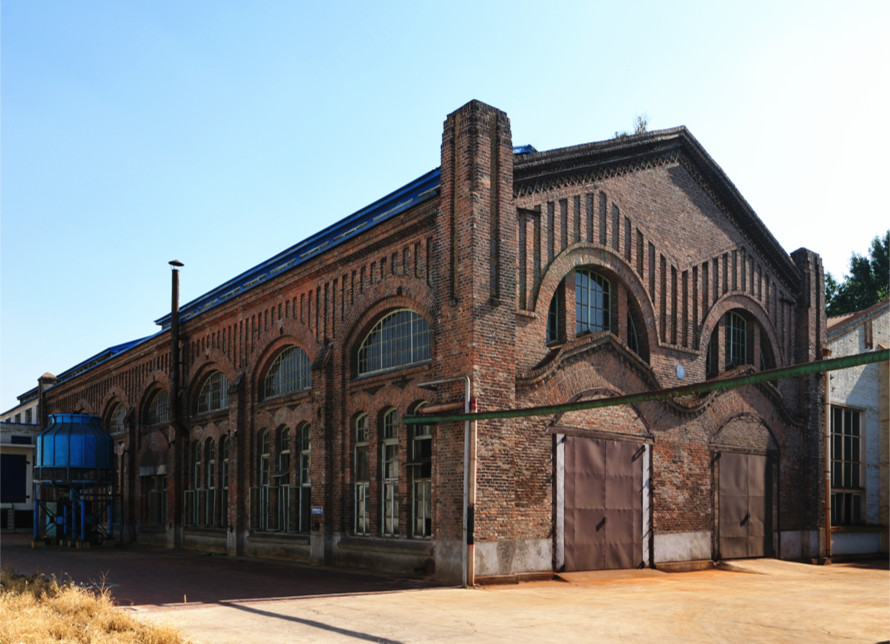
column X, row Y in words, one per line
column 362, row 476
column 554, row 315
column 289, row 373
column 390, row 472
column 214, row 394
column 158, row 410
column 421, row 480
column 400, row 339
column 592, row 306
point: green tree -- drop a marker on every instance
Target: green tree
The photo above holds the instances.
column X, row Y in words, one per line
column 867, row 283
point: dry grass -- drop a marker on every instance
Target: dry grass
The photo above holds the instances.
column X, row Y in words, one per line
column 36, row 609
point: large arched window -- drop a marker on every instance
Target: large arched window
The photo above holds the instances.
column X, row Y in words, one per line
column 158, row 409
column 592, row 305
column 744, row 342
column 399, row 339
column 289, row 373
column 214, row 393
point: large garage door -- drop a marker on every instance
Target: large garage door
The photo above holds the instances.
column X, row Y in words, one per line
column 603, row 504
column 745, row 506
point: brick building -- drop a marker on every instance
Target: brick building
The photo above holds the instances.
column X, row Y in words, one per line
column 530, row 278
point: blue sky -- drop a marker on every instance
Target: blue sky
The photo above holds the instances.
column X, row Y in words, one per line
column 221, row 133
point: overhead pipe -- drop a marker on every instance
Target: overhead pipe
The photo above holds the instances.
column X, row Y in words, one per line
column 803, row 369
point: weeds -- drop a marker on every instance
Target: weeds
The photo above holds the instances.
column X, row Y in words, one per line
column 37, row 609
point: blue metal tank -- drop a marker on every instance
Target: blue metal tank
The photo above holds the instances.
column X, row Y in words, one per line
column 73, row 447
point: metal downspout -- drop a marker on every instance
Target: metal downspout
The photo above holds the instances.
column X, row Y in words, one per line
column 826, row 380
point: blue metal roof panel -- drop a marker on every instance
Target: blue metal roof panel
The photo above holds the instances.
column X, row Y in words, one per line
column 418, row 191
column 100, row 358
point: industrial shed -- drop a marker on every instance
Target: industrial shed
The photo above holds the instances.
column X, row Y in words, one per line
column 267, row 417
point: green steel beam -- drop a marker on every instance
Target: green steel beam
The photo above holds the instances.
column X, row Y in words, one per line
column 807, row 368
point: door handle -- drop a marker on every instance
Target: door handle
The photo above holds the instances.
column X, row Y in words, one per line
column 601, row 524
column 745, row 519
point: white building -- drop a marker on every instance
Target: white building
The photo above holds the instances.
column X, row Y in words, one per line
column 19, row 427
column 860, row 416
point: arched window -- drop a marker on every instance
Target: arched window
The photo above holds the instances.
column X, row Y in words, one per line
column 214, row 393
column 224, row 481
column 362, row 476
column 264, row 496
column 213, row 510
column 399, row 339
column 115, row 419
column 194, row 494
column 289, row 373
column 158, row 409
column 592, row 305
column 421, row 465
column 304, row 443
column 283, row 473
column 389, row 459
column 744, row 342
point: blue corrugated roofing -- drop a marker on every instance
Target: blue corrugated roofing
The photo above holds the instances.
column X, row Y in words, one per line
column 408, row 196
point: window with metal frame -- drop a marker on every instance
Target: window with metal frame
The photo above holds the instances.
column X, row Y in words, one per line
column 224, row 481
column 115, row 422
column 212, row 517
column 399, row 339
column 287, row 504
column 592, row 304
column 214, row 393
column 421, row 465
column 389, row 459
column 289, row 373
column 736, row 340
column 362, row 476
column 305, row 482
column 158, row 409
column 554, row 315
column 846, row 466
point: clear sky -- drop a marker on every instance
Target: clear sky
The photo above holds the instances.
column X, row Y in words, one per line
column 220, row 133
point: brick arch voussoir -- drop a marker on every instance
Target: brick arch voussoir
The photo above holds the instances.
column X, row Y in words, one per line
column 603, row 392
column 751, row 306
column 393, row 293
column 584, row 254
column 747, row 415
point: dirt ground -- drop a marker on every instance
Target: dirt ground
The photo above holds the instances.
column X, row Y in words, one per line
column 232, row 599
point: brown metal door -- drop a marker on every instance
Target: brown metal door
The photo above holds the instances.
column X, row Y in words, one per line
column 603, row 504
column 745, row 506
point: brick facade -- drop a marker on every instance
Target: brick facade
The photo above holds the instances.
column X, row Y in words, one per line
column 480, row 259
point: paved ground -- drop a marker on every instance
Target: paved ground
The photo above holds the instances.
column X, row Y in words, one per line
column 230, row 599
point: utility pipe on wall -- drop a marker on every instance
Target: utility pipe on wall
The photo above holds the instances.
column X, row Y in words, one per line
column 826, row 380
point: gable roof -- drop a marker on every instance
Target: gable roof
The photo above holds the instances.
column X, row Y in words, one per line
column 560, row 166
column 842, row 324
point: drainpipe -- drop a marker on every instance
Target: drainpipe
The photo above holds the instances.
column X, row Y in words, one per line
column 179, row 447
column 469, row 405
column 826, row 380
